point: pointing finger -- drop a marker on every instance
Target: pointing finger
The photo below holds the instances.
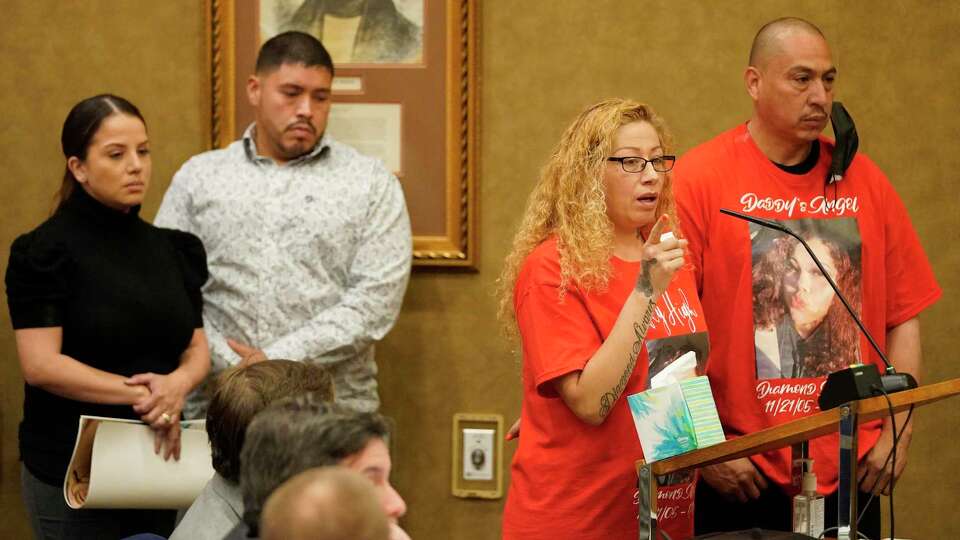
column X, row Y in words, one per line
column 657, row 230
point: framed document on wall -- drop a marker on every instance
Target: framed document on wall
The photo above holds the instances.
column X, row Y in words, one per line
column 405, row 91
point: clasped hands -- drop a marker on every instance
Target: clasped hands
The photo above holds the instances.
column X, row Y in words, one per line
column 159, row 405
column 161, row 399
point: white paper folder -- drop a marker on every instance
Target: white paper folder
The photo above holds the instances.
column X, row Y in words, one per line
column 114, row 466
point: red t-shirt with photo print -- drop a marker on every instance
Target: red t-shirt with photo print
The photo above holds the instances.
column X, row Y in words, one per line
column 769, row 346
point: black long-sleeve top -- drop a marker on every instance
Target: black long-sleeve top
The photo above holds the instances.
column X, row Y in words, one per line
column 127, row 295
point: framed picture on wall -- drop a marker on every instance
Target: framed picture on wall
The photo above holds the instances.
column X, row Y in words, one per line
column 405, row 91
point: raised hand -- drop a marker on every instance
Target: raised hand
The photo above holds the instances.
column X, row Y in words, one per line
column 661, row 260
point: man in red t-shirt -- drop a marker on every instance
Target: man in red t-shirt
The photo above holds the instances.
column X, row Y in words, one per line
column 776, row 328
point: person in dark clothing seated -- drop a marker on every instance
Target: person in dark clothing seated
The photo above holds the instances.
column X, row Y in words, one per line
column 106, row 310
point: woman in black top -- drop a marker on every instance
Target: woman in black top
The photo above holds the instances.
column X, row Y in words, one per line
column 107, row 315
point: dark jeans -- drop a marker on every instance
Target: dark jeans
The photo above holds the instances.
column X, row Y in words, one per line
column 772, row 511
column 52, row 519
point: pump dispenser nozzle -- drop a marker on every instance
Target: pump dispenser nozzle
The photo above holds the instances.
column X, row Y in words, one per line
column 808, row 504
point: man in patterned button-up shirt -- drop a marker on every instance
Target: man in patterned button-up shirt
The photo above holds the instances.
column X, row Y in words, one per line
column 308, row 242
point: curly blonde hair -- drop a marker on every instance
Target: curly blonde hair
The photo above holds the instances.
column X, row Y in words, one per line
column 569, row 201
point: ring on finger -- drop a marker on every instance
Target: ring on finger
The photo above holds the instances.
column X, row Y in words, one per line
column 166, row 418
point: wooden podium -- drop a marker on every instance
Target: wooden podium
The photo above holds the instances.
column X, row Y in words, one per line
column 844, row 418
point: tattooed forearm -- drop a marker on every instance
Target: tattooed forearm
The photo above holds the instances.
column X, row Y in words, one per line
column 644, row 285
column 609, row 399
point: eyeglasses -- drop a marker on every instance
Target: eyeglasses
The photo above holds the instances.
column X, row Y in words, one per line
column 635, row 164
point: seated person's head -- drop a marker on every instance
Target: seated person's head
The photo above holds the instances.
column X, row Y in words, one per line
column 326, row 503
column 297, row 434
column 240, row 393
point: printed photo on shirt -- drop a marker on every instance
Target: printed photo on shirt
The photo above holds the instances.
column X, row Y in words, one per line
column 665, row 351
column 801, row 329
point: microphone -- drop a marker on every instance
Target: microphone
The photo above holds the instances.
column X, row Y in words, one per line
column 856, row 382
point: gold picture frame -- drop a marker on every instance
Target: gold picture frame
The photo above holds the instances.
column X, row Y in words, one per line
column 444, row 209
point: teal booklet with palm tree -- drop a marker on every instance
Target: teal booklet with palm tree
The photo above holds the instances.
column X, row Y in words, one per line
column 676, row 418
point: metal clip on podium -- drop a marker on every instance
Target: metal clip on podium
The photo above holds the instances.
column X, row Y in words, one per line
column 845, row 418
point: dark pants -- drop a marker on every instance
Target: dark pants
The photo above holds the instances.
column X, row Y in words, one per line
column 52, row 519
column 772, row 511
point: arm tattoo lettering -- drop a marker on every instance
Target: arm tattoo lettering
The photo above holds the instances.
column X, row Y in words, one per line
column 609, row 399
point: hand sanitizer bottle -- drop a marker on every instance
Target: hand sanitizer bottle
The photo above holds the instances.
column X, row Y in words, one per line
column 808, row 505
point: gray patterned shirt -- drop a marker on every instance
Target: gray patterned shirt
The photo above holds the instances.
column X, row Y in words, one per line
column 308, row 261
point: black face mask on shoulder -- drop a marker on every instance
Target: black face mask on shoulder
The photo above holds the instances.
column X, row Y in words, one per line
column 846, row 144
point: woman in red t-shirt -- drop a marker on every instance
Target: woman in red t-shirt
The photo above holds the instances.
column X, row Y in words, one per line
column 582, row 284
